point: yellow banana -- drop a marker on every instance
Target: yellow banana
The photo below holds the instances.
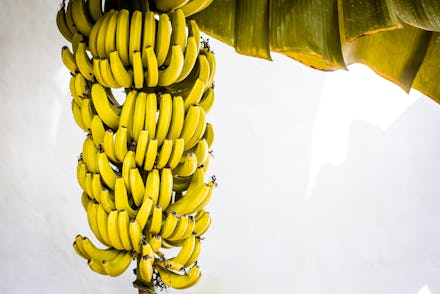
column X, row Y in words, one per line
column 155, row 243
column 202, row 223
column 163, row 38
column 151, row 154
column 139, row 115
column 169, row 225
column 195, row 94
column 145, row 268
column 121, row 74
column 177, row 119
column 81, row 171
column 178, row 29
column 97, row 187
column 107, row 74
column 137, row 186
column 88, row 182
column 195, row 6
column 152, row 185
column 106, row 170
column 77, row 38
column 123, row 228
column 77, row 245
column 96, row 253
column 166, row 188
column 77, row 97
column 91, row 156
column 138, row 70
column 121, row 198
column 156, row 220
column 97, row 130
column 102, row 220
column 128, row 109
column 108, row 145
column 80, row 17
column 165, row 115
column 201, row 150
column 199, row 131
column 83, row 62
column 146, row 249
column 141, row 147
column 194, row 31
column 148, row 35
column 93, row 38
column 69, row 19
column 69, row 60
column 110, row 35
column 122, row 35
column 204, row 70
column 164, row 153
column 102, row 104
column 180, row 228
column 185, row 251
column 107, row 200
column 85, row 199
column 169, row 75
column 152, row 73
column 167, row 5
column 87, row 113
column 205, row 200
column 113, row 231
column 61, row 24
column 189, row 229
column 121, row 143
column 150, row 115
column 102, row 34
column 135, row 34
column 92, row 209
column 191, row 53
column 95, row 9
column 207, row 100
column 135, row 235
column 195, row 254
column 128, row 163
column 190, row 124
column 97, row 72
column 176, row 154
column 209, row 134
column 76, row 111
column 144, row 212
column 212, row 68
column 117, row 265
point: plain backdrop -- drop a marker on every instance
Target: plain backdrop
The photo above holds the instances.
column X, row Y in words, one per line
column 328, row 182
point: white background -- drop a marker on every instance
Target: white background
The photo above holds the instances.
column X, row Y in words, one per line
column 328, row 182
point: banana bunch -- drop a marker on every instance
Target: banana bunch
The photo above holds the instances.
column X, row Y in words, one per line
column 143, row 163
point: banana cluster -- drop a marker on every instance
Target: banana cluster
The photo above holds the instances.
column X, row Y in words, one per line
column 144, row 161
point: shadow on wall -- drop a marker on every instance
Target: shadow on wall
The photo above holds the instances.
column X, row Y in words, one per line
column 374, row 218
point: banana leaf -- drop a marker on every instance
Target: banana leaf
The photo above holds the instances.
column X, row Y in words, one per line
column 397, row 39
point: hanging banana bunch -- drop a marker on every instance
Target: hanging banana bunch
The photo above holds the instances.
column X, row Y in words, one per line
column 144, row 161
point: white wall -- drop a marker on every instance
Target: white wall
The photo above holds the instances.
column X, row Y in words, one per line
column 328, row 183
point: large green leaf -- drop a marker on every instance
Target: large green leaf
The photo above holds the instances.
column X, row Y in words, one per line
column 394, row 38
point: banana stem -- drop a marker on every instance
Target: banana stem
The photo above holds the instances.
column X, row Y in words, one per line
column 142, row 287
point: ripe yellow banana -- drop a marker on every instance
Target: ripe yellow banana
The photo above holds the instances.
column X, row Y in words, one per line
column 202, row 223
column 135, row 235
column 61, row 24
column 97, row 72
column 204, row 70
column 108, row 145
column 107, row 112
column 127, row 112
column 76, row 111
column 92, row 209
column 107, row 172
column 180, row 228
column 190, row 124
column 179, row 281
column 152, row 73
column 209, row 134
column 169, row 75
column 176, row 154
column 81, row 18
column 195, row 254
column 144, row 212
column 96, row 253
column 164, row 153
column 167, row 5
column 97, row 187
column 152, row 185
column 93, row 38
column 123, row 35
column 195, row 6
column 120, row 73
column 155, row 243
column 88, row 182
column 189, row 229
column 201, row 150
column 141, row 147
column 102, row 34
column 96, row 266
column 163, row 38
column 121, row 198
column 150, row 115
column 77, row 38
column 139, row 115
column 69, row 19
column 77, row 245
column 148, row 34
column 77, row 97
column 138, row 70
column 151, row 154
column 169, row 225
column 177, row 118
column 107, row 74
column 212, row 67
column 117, row 265
column 102, row 220
column 156, row 220
column 95, row 9
column 123, row 228
column 107, row 200
column 128, row 163
column 165, row 115
column 135, row 37
column 121, row 143
column 195, row 94
column 207, row 100
column 84, row 63
column 81, row 172
column 145, row 268
column 166, row 188
column 198, row 132
column 110, row 34
column 69, row 60
column 87, row 113
column 113, row 231
column 185, row 252
column 137, row 186
column 191, row 53
column 97, row 130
